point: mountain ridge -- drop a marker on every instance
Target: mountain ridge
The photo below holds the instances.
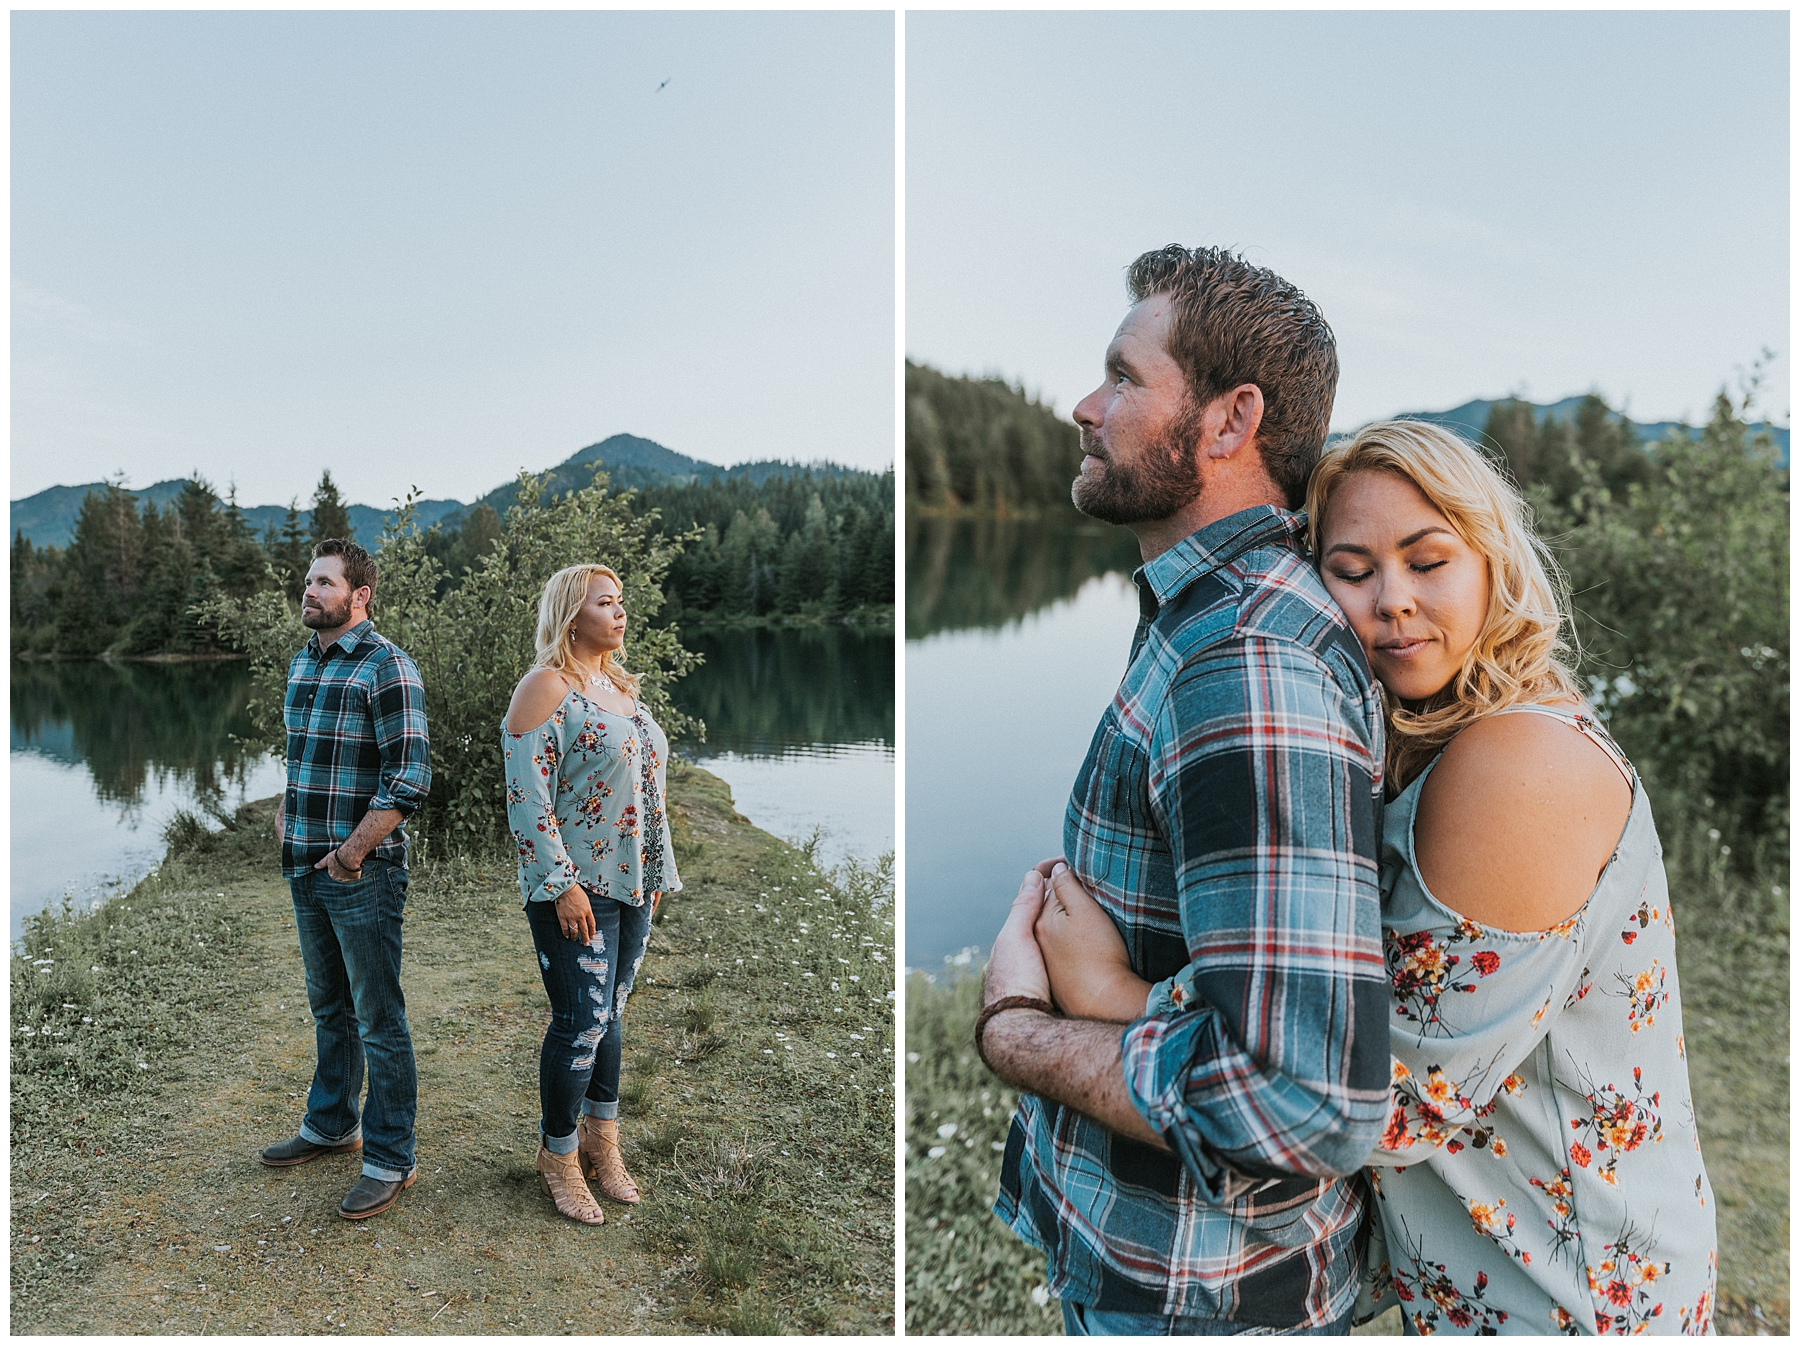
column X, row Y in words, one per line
column 48, row 517
column 1471, row 419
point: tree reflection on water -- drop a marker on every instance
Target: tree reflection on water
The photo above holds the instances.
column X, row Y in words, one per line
column 970, row 573
column 125, row 721
column 764, row 690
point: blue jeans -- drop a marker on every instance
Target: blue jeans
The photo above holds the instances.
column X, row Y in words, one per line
column 1081, row 1321
column 350, row 940
column 588, row 985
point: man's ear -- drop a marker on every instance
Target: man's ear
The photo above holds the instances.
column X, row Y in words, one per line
column 1233, row 418
column 362, row 597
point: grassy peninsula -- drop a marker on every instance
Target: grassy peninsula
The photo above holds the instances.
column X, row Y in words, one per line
column 160, row 1040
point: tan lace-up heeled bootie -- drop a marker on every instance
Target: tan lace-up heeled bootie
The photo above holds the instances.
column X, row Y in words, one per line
column 601, row 1160
column 560, row 1175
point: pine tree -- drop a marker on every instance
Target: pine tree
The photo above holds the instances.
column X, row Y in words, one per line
column 37, row 584
column 329, row 517
column 81, row 627
column 295, row 553
column 105, row 571
column 198, row 509
column 156, row 627
column 202, row 586
column 238, row 562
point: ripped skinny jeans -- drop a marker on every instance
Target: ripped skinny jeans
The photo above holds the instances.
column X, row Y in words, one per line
column 588, row 985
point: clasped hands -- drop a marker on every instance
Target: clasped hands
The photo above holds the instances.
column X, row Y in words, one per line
column 1059, row 945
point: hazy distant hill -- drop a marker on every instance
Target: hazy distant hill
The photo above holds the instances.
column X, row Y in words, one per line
column 633, row 462
column 48, row 518
column 1471, row 418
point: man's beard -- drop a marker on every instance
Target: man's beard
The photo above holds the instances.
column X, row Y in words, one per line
column 323, row 618
column 1161, row 480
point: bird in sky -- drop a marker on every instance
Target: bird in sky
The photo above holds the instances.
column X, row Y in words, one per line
column 664, row 84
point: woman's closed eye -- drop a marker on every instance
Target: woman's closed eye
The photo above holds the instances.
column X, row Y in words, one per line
column 1358, row 576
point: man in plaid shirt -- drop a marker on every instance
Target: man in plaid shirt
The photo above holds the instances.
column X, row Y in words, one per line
column 358, row 761
column 1184, row 1148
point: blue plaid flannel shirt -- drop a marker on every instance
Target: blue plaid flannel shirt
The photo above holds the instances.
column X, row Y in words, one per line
column 1227, row 817
column 356, row 740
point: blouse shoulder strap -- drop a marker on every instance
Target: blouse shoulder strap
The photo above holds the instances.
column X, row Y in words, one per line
column 1588, row 727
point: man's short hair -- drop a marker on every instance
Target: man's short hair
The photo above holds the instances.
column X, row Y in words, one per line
column 1234, row 323
column 359, row 566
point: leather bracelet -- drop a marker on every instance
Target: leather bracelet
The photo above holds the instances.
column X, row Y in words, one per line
column 1005, row 1003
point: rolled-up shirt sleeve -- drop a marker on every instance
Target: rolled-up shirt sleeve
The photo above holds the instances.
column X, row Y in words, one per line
column 1267, row 1055
column 397, row 707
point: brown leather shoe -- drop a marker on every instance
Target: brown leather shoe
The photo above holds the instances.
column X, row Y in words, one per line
column 298, row 1150
column 371, row 1196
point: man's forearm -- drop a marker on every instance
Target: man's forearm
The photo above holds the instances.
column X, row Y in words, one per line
column 369, row 833
column 1077, row 1062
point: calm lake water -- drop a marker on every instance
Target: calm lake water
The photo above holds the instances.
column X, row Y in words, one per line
column 1017, row 635
column 800, row 724
column 103, row 755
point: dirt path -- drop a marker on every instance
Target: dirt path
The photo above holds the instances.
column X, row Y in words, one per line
column 758, row 1103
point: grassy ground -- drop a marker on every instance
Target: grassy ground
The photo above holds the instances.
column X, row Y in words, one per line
column 159, row 1042
column 966, row 1273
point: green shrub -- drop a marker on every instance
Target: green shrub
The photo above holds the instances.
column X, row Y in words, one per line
column 1681, row 597
column 474, row 642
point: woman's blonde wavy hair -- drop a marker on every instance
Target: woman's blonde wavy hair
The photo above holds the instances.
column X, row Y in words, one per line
column 1520, row 655
column 564, row 593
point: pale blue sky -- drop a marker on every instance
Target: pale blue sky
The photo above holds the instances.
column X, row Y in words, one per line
column 435, row 248
column 1480, row 203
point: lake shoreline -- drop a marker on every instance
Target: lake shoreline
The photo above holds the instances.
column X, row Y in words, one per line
column 226, row 656
column 138, row 1204
column 874, row 619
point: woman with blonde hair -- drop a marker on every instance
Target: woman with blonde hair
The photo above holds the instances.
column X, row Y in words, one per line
column 1541, row 1170
column 585, row 775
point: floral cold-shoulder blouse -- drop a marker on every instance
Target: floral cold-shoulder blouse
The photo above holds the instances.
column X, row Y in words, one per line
column 584, row 799
column 1541, row 1170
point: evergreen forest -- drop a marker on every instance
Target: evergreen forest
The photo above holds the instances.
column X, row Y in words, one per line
column 981, row 446
column 810, row 544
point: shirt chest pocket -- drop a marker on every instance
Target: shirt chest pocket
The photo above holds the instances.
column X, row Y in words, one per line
column 1114, row 783
column 302, row 703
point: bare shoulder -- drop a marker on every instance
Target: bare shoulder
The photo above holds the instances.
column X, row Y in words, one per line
column 1517, row 821
column 539, row 692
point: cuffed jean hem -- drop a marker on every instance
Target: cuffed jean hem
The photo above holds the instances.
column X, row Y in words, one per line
column 560, row 1144
column 605, row 1112
column 355, row 1133
column 387, row 1174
